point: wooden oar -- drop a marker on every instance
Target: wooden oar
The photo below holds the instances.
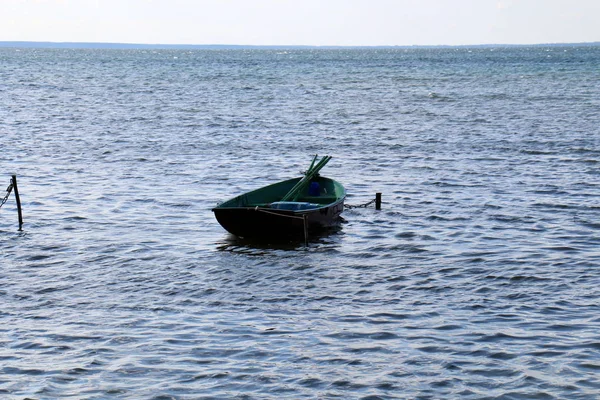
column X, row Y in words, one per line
column 312, row 163
column 294, row 192
column 302, row 182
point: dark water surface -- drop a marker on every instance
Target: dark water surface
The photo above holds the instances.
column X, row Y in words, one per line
column 478, row 280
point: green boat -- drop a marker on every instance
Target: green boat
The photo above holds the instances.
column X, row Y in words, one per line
column 294, row 208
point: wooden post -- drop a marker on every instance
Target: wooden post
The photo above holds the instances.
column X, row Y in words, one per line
column 305, row 230
column 18, row 199
column 378, row 201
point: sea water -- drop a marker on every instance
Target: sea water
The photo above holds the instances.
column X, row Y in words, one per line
column 479, row 278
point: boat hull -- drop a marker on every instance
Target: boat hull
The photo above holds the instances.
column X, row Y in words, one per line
column 258, row 222
column 262, row 214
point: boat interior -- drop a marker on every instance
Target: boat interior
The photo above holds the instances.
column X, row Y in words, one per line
column 320, row 192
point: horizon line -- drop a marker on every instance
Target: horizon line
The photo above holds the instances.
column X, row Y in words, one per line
column 126, row 45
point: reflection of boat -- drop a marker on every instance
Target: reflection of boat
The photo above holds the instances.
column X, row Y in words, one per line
column 293, row 208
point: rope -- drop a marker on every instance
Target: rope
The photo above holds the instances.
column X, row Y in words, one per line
column 8, row 190
column 278, row 214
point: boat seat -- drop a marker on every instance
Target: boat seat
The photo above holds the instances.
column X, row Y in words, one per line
column 294, row 205
column 318, row 199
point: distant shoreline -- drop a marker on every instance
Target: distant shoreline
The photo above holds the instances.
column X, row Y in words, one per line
column 138, row 46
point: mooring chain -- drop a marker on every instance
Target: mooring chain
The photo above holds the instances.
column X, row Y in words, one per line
column 350, row 206
column 8, row 190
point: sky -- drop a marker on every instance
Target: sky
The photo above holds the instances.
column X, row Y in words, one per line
column 302, row 22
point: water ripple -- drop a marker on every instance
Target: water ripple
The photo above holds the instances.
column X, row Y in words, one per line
column 476, row 280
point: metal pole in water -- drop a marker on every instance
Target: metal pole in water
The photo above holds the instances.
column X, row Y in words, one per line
column 18, row 199
column 378, row 201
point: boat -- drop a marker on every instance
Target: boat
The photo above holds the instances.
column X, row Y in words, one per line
column 291, row 209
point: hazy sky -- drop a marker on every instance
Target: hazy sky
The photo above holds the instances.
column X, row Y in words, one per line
column 302, row 22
